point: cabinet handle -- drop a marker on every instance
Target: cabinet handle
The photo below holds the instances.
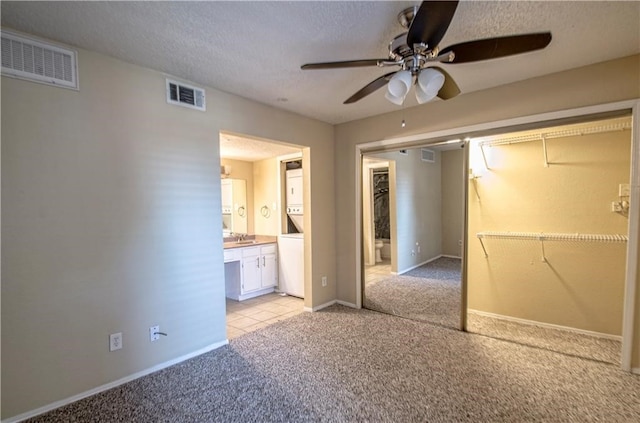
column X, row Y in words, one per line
column 258, row 261
column 264, row 261
column 291, row 191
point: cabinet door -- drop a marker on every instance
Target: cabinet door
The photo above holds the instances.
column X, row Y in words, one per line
column 251, row 273
column 269, row 270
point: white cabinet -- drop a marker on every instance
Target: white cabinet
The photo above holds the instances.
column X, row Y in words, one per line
column 258, row 273
column 294, row 187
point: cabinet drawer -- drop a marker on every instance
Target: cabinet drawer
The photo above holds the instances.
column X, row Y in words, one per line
column 250, row 251
column 268, row 249
column 231, row 255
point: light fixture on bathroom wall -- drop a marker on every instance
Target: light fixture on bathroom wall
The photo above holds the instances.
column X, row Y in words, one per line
column 225, row 171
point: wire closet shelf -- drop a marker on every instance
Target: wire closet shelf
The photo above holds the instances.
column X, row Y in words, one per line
column 542, row 237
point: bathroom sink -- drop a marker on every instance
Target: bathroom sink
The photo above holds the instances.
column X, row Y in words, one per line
column 249, row 241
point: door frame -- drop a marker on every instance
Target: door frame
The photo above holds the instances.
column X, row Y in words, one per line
column 512, row 125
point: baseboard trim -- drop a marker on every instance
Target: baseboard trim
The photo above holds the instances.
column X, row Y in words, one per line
column 346, row 304
column 115, row 383
column 451, row 257
column 420, row 264
column 546, row 325
column 321, row 306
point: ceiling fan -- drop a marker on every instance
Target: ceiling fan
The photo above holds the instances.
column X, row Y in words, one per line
column 416, row 50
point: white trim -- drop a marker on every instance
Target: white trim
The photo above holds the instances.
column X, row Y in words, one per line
column 418, row 265
column 358, row 226
column 321, row 306
column 115, row 383
column 505, row 123
column 346, row 304
column 450, row 256
column 428, row 138
column 546, row 325
column 254, row 294
column 629, row 310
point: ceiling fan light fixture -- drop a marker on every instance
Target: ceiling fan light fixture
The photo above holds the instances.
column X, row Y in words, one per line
column 400, row 84
column 423, row 96
column 430, row 81
column 395, row 100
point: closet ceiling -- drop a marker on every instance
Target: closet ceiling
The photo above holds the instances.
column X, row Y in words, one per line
column 255, row 49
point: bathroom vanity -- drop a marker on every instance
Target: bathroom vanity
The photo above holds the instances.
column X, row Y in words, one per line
column 250, row 267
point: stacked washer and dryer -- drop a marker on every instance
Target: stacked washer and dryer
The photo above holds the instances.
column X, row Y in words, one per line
column 291, row 243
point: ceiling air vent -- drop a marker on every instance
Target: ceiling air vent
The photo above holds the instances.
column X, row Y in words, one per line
column 185, row 95
column 428, row 155
column 36, row 61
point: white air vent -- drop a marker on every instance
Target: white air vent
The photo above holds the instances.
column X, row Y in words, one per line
column 36, row 61
column 428, row 155
column 185, row 95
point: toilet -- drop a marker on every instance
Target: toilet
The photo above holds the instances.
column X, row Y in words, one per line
column 379, row 244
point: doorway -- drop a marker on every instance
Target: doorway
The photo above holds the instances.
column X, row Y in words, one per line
column 548, row 232
column 510, row 294
column 259, row 167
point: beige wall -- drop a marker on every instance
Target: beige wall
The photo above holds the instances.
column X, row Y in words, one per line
column 417, row 215
column 617, row 80
column 452, row 201
column 111, row 223
column 267, row 190
column 243, row 170
column 581, row 284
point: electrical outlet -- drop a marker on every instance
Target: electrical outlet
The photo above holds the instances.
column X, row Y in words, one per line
column 154, row 333
column 324, row 281
column 115, row 341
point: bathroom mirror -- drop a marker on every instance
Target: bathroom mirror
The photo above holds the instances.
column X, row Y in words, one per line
column 234, row 206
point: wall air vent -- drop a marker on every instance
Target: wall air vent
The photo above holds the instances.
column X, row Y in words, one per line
column 36, row 61
column 185, row 95
column 428, row 155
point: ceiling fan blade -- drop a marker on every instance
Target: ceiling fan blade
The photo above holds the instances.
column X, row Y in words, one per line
column 345, row 64
column 450, row 88
column 369, row 88
column 430, row 23
column 492, row 48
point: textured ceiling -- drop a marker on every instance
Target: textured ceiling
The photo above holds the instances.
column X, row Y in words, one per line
column 255, row 49
column 251, row 150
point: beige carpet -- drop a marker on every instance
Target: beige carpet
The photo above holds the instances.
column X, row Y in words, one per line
column 430, row 293
column 345, row 365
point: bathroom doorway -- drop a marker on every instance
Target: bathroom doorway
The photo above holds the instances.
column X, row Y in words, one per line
column 413, row 208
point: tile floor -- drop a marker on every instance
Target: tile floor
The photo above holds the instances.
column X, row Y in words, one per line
column 377, row 272
column 255, row 313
